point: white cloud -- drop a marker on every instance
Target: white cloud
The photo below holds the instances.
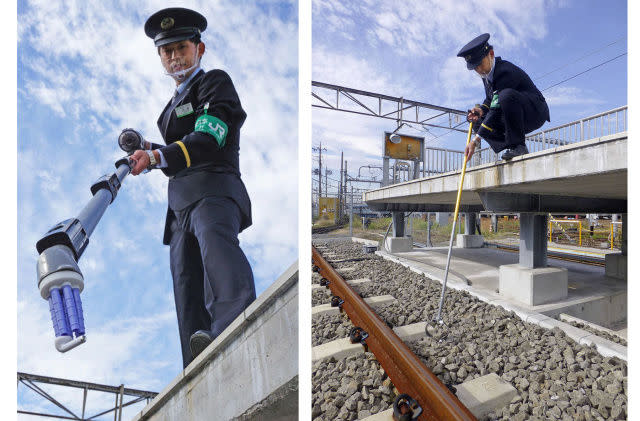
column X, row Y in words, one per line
column 570, row 95
column 418, row 27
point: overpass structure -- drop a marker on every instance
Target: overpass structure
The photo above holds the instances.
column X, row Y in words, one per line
column 574, row 168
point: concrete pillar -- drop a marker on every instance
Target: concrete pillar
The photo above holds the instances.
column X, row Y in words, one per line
column 624, row 220
column 531, row 282
column 533, row 240
column 494, row 222
column 615, row 264
column 398, row 242
column 442, row 218
column 398, row 224
column 470, row 223
column 469, row 239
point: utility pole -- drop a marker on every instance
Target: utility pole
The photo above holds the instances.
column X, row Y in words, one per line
column 326, row 182
column 319, row 172
column 319, row 150
column 340, row 190
column 351, row 214
column 344, row 189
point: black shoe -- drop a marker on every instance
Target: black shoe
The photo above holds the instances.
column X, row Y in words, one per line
column 199, row 341
column 517, row 151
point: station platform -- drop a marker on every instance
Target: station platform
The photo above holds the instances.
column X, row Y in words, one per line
column 585, row 176
column 592, row 296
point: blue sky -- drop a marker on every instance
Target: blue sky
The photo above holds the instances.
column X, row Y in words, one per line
column 408, row 49
column 86, row 70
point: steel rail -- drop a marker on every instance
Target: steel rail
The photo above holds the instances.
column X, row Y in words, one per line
column 558, row 255
column 404, row 368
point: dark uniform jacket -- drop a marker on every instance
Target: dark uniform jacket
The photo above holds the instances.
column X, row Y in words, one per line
column 508, row 75
column 202, row 168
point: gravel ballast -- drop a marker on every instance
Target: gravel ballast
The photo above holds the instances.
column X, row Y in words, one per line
column 555, row 377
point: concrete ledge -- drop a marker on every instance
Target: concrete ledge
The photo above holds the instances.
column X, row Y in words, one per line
column 343, row 348
column 338, row 349
column 533, row 286
column 358, row 281
column 372, row 301
column 345, row 271
column 485, row 394
column 398, row 244
column 481, row 396
column 468, row 241
column 349, row 281
column 253, row 358
column 568, row 318
column 364, row 241
column 615, row 265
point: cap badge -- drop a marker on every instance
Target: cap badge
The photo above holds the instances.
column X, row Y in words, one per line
column 467, row 57
column 167, row 23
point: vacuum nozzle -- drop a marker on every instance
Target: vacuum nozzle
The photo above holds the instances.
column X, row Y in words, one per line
column 130, row 141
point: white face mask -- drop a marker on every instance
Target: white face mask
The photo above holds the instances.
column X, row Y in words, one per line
column 486, row 75
column 181, row 75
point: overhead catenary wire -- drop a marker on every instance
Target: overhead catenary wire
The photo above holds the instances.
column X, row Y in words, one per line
column 584, row 71
column 579, row 58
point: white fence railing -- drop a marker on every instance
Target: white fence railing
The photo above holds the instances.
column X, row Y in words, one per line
column 439, row 160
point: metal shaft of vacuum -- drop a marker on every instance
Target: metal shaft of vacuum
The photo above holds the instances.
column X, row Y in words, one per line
column 60, row 280
column 438, row 317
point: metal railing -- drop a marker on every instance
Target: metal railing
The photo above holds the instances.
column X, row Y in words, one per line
column 438, row 160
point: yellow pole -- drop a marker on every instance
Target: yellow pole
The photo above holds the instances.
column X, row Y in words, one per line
column 550, row 229
column 453, row 229
column 580, row 233
column 611, row 235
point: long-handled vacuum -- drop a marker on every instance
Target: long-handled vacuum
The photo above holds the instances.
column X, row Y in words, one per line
column 59, row 278
column 438, row 318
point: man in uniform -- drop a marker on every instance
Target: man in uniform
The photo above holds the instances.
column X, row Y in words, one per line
column 208, row 203
column 513, row 105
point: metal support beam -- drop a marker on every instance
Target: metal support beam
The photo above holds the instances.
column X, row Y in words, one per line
column 533, row 240
column 29, row 381
column 400, row 110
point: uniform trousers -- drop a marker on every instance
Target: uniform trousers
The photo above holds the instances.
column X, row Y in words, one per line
column 212, row 278
column 516, row 116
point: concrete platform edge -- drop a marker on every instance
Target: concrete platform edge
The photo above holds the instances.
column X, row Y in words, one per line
column 283, row 283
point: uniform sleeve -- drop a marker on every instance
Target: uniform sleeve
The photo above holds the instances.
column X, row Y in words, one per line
column 223, row 116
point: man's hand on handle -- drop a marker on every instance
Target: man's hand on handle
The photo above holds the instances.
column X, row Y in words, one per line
column 471, row 148
column 474, row 114
column 139, row 161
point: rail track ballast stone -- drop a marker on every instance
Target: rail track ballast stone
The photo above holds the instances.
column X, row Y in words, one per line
column 555, row 377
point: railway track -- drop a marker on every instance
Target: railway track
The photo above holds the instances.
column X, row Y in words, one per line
column 554, row 377
column 558, row 255
column 324, row 230
column 423, row 395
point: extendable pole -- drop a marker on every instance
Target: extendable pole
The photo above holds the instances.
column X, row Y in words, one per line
column 438, row 317
column 60, row 280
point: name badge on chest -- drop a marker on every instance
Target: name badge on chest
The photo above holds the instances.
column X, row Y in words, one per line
column 184, row 110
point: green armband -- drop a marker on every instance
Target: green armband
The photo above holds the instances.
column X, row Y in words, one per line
column 494, row 101
column 213, row 126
